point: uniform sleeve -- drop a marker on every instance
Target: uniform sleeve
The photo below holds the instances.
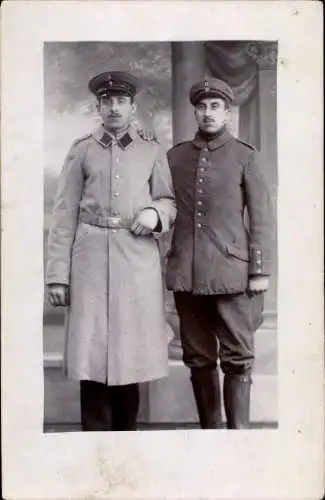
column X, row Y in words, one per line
column 162, row 193
column 65, row 218
column 260, row 213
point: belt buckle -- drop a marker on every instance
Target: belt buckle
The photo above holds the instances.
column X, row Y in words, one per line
column 114, row 221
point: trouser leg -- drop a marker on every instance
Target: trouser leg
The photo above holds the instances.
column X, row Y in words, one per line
column 200, row 352
column 96, row 406
column 125, row 407
column 239, row 315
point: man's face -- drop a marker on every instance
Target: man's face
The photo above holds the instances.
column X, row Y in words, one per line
column 211, row 114
column 116, row 111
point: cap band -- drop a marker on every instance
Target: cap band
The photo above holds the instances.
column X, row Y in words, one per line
column 202, row 94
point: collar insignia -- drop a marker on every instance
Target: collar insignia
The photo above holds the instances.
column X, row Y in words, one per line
column 125, row 141
column 105, row 140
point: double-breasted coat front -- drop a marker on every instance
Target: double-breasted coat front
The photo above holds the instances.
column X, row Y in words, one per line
column 116, row 332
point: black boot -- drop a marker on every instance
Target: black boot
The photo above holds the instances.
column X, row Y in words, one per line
column 125, row 407
column 206, row 388
column 96, row 406
column 236, row 394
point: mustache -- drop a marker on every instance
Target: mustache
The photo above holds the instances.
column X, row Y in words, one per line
column 114, row 115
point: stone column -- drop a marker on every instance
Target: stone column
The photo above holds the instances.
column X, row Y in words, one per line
column 188, row 66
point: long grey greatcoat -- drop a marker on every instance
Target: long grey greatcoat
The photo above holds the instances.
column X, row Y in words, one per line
column 213, row 252
column 116, row 331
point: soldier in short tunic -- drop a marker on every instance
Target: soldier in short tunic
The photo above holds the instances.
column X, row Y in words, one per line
column 114, row 199
column 218, row 267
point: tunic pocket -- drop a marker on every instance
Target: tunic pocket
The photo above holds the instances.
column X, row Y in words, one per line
column 239, row 253
column 215, row 239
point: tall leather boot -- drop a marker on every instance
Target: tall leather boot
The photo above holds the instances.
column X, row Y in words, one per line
column 236, row 394
column 206, row 388
column 126, row 400
column 96, row 406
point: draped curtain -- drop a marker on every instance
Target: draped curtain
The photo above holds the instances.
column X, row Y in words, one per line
column 235, row 63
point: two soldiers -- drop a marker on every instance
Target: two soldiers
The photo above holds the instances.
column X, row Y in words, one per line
column 115, row 196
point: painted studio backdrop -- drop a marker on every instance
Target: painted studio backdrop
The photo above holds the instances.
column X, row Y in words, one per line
column 167, row 71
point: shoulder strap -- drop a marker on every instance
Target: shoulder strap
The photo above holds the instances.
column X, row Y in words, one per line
column 246, row 144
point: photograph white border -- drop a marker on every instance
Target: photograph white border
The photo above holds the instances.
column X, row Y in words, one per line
column 256, row 464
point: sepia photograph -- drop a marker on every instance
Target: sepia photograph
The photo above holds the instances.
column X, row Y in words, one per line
column 160, row 182
column 162, row 255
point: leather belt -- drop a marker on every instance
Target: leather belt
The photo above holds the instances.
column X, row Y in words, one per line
column 106, row 222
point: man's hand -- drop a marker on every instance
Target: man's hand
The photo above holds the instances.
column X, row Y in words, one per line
column 145, row 222
column 58, row 295
column 258, row 284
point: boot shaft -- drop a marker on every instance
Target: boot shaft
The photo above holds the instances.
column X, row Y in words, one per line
column 236, row 395
column 207, row 394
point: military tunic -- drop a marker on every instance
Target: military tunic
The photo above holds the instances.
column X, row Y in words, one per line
column 213, row 250
column 116, row 331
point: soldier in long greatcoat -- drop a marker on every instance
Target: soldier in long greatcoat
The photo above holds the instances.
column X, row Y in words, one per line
column 218, row 266
column 114, row 199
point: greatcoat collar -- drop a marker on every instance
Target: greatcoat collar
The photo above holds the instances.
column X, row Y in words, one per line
column 105, row 138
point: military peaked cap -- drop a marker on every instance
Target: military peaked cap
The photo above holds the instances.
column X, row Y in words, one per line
column 114, row 81
column 210, row 87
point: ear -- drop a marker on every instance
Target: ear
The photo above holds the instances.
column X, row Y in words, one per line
column 134, row 108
